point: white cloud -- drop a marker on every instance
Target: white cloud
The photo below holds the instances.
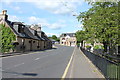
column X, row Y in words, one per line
column 53, row 6
column 35, row 20
column 80, row 25
column 45, row 23
column 17, row 8
column 13, row 18
column 50, row 34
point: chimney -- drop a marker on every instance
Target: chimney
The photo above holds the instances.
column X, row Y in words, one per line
column 4, row 15
column 4, row 12
column 39, row 29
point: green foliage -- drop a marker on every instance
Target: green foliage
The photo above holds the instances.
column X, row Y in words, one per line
column 7, row 36
column 54, row 37
column 98, row 47
column 101, row 23
column 88, row 46
column 78, row 44
column 80, row 35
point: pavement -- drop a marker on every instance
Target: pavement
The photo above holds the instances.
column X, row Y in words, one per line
column 82, row 67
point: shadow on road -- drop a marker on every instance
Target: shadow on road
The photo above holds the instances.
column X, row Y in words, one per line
column 24, row 74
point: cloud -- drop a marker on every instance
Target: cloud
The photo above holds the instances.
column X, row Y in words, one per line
column 35, row 20
column 13, row 18
column 54, row 6
column 50, row 34
column 80, row 25
column 45, row 23
column 17, row 8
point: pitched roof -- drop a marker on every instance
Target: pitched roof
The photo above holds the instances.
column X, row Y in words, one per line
column 27, row 31
column 15, row 28
column 68, row 34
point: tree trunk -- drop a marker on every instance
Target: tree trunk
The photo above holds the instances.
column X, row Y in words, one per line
column 105, row 45
column 82, row 44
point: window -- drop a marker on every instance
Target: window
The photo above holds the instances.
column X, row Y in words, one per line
column 63, row 38
column 29, row 41
column 64, row 34
column 33, row 41
column 35, row 32
column 20, row 29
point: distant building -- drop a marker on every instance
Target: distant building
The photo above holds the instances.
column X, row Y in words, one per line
column 28, row 37
column 54, row 41
column 68, row 39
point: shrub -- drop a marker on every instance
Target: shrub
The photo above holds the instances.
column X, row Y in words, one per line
column 98, row 47
column 6, row 38
column 88, row 46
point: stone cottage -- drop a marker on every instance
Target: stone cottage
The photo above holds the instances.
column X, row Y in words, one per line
column 28, row 37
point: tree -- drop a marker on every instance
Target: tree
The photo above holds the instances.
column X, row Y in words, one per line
column 101, row 23
column 55, row 38
column 80, row 35
column 7, row 36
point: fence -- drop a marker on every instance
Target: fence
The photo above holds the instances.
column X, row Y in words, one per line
column 109, row 68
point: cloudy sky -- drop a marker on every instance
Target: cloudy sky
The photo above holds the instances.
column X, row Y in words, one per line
column 55, row 16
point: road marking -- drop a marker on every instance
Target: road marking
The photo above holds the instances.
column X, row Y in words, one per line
column 66, row 70
column 18, row 64
column 37, row 58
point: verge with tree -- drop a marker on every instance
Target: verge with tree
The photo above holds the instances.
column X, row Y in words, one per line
column 101, row 24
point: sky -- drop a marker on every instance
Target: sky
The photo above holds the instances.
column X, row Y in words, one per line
column 54, row 16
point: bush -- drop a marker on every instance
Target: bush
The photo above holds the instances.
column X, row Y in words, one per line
column 88, row 46
column 98, row 47
column 7, row 36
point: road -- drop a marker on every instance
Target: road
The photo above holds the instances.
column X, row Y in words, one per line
column 62, row 62
column 43, row 64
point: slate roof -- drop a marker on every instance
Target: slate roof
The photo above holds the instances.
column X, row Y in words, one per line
column 69, row 34
column 30, row 33
column 27, row 33
column 15, row 28
column 44, row 36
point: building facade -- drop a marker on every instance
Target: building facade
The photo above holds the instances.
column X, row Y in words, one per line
column 28, row 37
column 68, row 39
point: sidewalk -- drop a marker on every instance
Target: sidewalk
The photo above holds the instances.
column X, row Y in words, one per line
column 81, row 67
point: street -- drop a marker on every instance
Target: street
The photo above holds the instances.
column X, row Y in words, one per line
column 45, row 64
column 60, row 62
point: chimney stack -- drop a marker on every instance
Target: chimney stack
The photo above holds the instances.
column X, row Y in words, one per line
column 4, row 15
column 4, row 12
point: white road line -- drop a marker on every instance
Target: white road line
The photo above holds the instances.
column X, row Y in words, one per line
column 37, row 58
column 18, row 64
